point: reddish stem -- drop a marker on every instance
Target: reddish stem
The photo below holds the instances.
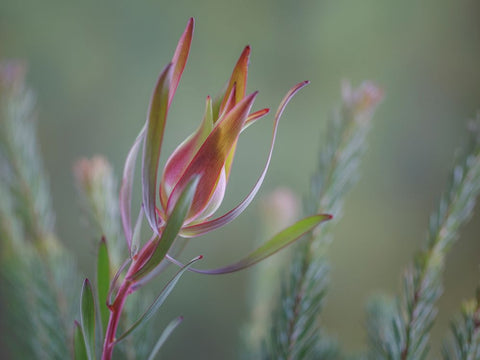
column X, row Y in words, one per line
column 125, row 289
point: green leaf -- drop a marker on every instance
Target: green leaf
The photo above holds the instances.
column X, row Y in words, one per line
column 165, row 334
column 279, row 241
column 157, row 117
column 103, row 282
column 87, row 311
column 79, row 349
column 171, row 230
column 158, row 301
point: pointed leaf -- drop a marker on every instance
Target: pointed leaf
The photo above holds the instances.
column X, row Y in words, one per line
column 79, row 349
column 180, row 57
column 238, row 78
column 170, row 232
column 210, row 158
column 125, row 201
column 165, row 334
column 87, row 311
column 103, row 282
column 157, row 117
column 160, row 299
column 279, row 241
column 207, row 226
column 252, row 118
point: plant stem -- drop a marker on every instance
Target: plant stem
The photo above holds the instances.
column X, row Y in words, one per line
column 126, row 288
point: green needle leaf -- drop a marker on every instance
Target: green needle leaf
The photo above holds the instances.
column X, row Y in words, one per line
column 172, row 228
column 79, row 349
column 279, row 241
column 87, row 310
column 103, row 282
column 165, row 335
column 158, row 301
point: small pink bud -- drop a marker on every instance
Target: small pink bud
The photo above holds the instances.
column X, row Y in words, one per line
column 361, row 101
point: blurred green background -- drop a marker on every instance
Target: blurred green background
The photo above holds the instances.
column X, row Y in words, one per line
column 93, row 65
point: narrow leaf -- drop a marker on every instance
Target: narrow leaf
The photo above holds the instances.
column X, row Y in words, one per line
column 157, row 117
column 165, row 335
column 238, row 78
column 171, row 230
column 79, row 349
column 87, row 311
column 180, row 57
column 279, row 241
column 253, row 117
column 125, row 201
column 160, row 299
column 103, row 282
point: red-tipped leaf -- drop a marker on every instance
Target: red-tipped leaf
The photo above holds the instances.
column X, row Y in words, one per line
column 180, row 57
column 238, row 78
column 210, row 158
column 207, row 226
column 276, row 243
column 253, row 117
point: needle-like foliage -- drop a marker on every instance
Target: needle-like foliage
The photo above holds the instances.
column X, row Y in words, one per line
column 37, row 274
column 465, row 340
column 295, row 329
column 406, row 336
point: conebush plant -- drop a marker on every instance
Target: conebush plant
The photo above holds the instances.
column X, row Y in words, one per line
column 48, row 314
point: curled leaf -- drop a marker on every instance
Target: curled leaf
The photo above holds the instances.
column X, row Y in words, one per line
column 279, row 241
column 210, row 225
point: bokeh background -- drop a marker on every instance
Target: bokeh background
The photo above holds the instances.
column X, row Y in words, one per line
column 93, row 65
